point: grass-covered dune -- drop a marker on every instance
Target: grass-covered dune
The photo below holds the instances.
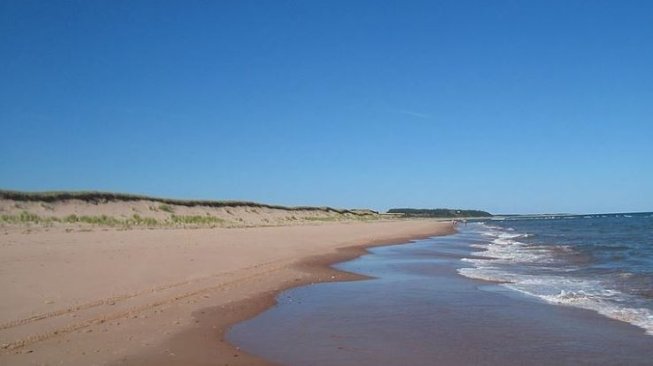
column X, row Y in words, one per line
column 103, row 197
column 106, row 209
column 438, row 212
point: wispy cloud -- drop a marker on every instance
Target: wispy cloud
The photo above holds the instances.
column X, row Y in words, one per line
column 414, row 114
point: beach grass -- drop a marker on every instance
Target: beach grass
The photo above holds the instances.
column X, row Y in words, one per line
column 99, row 220
column 318, row 218
column 166, row 208
column 22, row 218
column 196, row 220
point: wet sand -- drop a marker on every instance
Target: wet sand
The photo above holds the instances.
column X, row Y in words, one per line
column 163, row 297
column 420, row 311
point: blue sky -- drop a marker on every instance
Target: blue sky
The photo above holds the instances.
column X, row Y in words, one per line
column 509, row 106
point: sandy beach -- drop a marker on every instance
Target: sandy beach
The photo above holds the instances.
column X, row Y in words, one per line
column 163, row 296
column 326, row 183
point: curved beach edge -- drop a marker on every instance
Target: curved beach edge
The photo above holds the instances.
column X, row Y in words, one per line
column 206, row 343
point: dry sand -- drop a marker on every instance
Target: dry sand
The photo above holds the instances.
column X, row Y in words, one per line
column 163, row 296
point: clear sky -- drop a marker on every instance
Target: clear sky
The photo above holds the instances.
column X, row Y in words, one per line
column 508, row 106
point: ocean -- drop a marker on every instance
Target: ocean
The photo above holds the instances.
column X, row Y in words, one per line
column 555, row 290
column 598, row 262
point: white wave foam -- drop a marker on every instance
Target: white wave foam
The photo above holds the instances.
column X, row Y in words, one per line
column 500, row 258
column 486, row 274
column 509, row 236
column 640, row 317
column 507, row 250
column 578, row 293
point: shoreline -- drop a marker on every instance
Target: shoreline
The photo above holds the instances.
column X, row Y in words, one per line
column 193, row 346
column 418, row 310
column 165, row 296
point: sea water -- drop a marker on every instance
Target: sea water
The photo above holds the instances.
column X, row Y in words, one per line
column 417, row 309
column 598, row 262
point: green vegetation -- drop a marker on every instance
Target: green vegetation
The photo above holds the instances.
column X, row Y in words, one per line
column 366, row 217
column 104, row 220
column 439, row 212
column 101, row 220
column 321, row 218
column 137, row 220
column 166, row 208
column 23, row 218
column 142, row 221
column 339, row 218
column 196, row 220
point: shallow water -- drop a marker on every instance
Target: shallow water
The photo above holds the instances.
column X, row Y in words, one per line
column 420, row 311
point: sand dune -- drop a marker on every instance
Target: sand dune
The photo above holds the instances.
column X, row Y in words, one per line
column 88, row 210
